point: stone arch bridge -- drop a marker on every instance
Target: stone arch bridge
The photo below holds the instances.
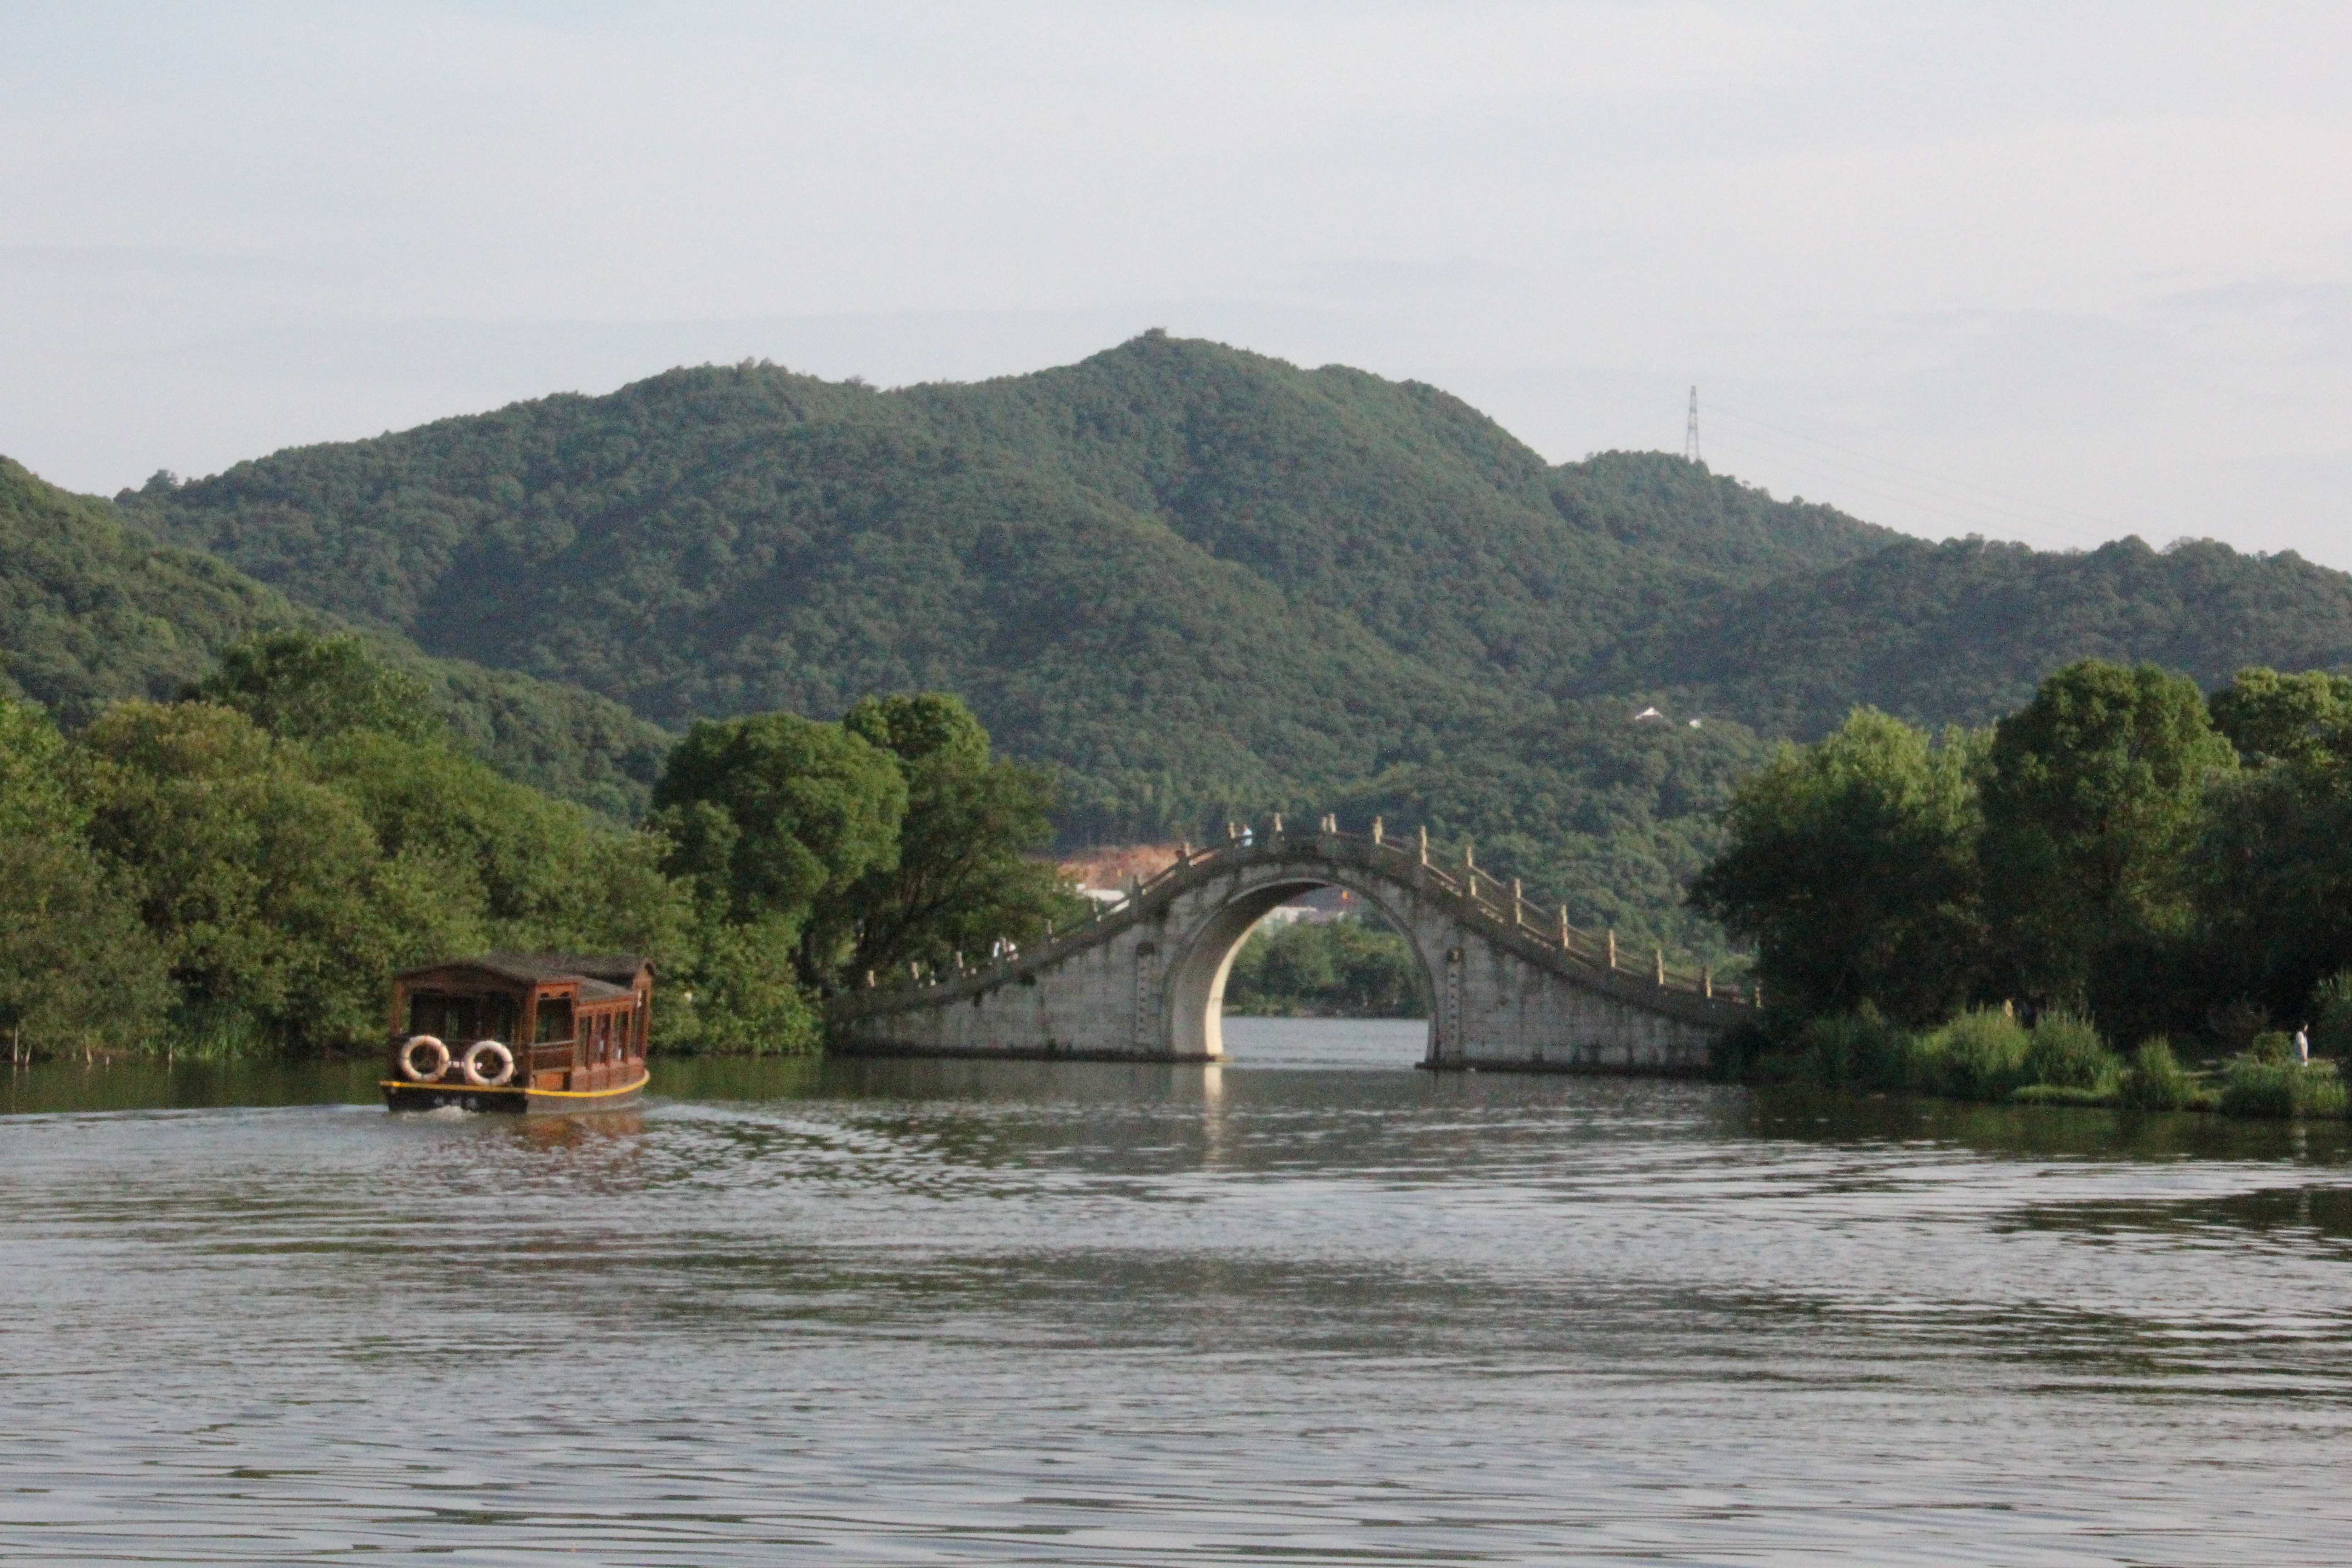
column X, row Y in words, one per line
column 1145, row 980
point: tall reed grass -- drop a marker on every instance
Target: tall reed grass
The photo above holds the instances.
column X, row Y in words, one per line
column 215, row 1032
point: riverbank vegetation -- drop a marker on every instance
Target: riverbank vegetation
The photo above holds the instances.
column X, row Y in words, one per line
column 1346, row 968
column 2121, row 861
column 239, row 870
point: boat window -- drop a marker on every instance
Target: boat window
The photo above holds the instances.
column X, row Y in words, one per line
column 554, row 1020
column 442, row 1015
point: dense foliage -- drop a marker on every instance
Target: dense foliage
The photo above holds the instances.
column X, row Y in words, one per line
column 77, row 967
column 303, row 824
column 1343, row 969
column 1851, row 865
column 1963, row 631
column 243, row 869
column 2120, row 852
column 964, row 879
column 2093, row 794
column 91, row 612
column 891, row 838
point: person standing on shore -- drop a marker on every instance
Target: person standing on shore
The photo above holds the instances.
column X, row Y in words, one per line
column 2303, row 1044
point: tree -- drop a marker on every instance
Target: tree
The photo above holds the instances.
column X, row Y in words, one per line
column 2271, row 880
column 300, row 686
column 2093, row 798
column 2271, row 873
column 928, row 726
column 770, row 812
column 739, row 994
column 1345, row 968
column 2282, row 718
column 542, row 873
column 265, row 887
column 962, row 878
column 1851, row 865
column 76, row 966
column 767, row 817
column 34, row 797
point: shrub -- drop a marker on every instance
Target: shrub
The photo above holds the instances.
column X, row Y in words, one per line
column 2274, row 1046
column 2066, row 1052
column 2157, row 1081
column 1854, row 1050
column 2254, row 1085
column 1981, row 1054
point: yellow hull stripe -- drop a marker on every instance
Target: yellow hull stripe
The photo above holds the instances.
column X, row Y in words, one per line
column 592, row 1093
column 514, row 1089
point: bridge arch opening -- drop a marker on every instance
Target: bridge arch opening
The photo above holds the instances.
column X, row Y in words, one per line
column 1198, row 977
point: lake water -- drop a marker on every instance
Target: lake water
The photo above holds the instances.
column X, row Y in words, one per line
column 1311, row 1307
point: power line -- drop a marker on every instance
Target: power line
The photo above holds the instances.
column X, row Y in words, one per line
column 1935, row 497
column 1964, row 509
column 2110, row 528
column 1967, row 514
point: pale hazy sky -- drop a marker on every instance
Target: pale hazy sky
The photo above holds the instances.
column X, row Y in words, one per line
column 2046, row 272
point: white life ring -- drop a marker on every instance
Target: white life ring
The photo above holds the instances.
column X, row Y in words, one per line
column 477, row 1076
column 435, row 1052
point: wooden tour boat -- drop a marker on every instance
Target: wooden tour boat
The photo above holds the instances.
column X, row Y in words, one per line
column 520, row 1032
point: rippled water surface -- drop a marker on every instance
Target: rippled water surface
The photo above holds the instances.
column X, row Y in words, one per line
column 1313, row 1307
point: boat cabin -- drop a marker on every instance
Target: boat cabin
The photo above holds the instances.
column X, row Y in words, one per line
column 520, row 1031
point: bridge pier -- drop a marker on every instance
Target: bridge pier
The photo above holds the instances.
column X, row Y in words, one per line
column 1146, row 982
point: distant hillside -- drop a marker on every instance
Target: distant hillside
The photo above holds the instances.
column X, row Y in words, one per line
column 1397, row 503
column 1962, row 632
column 90, row 611
column 1199, row 580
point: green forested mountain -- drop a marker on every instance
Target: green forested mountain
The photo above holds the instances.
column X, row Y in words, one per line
column 796, row 541
column 1961, row 632
column 90, row 611
column 1201, row 584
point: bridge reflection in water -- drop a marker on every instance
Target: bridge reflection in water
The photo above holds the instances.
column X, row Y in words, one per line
column 1146, row 979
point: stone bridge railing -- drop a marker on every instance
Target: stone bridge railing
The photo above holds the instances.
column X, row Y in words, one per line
column 1482, row 903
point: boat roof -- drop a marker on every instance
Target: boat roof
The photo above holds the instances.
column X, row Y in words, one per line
column 600, row 975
